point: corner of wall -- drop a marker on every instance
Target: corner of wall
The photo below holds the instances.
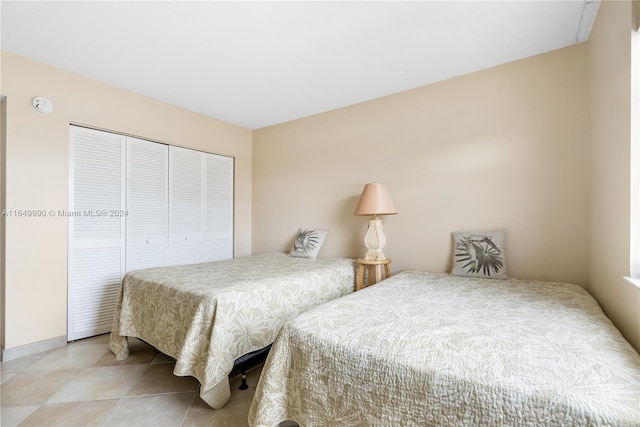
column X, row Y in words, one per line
column 610, row 87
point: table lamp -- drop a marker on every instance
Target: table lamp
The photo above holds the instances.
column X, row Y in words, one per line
column 375, row 200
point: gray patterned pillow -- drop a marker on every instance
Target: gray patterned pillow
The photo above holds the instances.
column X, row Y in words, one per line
column 479, row 254
column 308, row 243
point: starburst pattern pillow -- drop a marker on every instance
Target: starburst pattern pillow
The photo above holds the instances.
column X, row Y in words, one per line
column 479, row 254
column 308, row 243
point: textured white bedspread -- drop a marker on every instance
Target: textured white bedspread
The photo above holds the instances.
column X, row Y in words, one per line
column 425, row 349
column 207, row 315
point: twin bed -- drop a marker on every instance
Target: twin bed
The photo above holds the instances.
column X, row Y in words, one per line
column 416, row 349
column 424, row 349
column 208, row 315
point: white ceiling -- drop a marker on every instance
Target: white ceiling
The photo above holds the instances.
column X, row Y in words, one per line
column 256, row 64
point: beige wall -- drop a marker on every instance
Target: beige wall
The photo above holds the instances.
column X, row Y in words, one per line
column 37, row 177
column 609, row 51
column 504, row 148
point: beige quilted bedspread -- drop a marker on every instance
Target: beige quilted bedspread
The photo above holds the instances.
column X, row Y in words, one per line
column 207, row 315
column 424, row 349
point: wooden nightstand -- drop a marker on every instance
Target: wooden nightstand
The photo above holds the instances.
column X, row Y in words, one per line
column 374, row 271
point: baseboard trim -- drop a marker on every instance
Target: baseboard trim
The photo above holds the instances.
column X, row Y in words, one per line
column 7, row 354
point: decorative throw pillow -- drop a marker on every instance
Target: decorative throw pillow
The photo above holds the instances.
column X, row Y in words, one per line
column 479, row 254
column 308, row 243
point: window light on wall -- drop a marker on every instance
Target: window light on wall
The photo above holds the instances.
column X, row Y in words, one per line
column 634, row 268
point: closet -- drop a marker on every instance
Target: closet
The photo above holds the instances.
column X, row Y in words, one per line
column 137, row 204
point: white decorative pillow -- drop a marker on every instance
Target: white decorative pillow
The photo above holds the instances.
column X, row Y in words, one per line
column 479, row 254
column 308, row 243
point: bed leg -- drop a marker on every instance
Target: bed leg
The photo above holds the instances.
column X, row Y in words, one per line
column 243, row 385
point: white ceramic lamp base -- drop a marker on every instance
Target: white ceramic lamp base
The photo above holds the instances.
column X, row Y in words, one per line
column 375, row 240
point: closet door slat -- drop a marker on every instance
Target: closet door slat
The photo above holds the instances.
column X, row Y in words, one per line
column 185, row 206
column 218, row 233
column 147, row 204
column 96, row 256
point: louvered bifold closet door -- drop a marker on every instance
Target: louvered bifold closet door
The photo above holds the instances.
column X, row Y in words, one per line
column 96, row 259
column 186, row 201
column 218, row 241
column 147, row 204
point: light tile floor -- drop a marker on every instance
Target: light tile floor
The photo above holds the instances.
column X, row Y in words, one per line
column 83, row 384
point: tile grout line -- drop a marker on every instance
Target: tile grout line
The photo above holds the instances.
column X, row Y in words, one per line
column 120, row 399
column 193, row 400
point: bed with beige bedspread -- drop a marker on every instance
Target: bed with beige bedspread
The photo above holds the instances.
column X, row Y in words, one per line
column 425, row 349
column 207, row 315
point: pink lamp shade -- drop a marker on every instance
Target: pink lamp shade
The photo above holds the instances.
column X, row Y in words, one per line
column 375, row 200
